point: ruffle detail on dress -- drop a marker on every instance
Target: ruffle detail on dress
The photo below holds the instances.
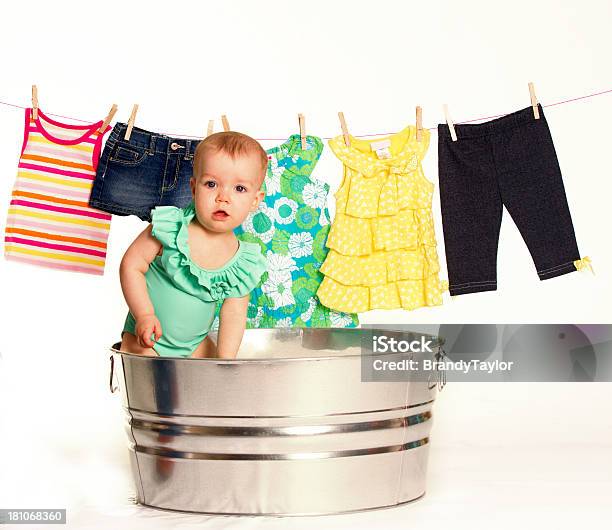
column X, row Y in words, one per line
column 236, row 278
column 404, row 294
column 369, row 166
column 380, row 268
column 355, row 236
column 387, row 194
column 382, row 243
column 383, row 187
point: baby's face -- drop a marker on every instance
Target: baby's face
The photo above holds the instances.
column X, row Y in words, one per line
column 227, row 190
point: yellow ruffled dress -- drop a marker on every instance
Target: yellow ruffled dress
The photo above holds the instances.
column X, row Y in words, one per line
column 382, row 244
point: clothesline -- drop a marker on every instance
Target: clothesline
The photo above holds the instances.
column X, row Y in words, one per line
column 330, row 137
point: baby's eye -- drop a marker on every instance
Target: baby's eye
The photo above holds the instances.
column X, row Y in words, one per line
column 240, row 188
column 210, row 184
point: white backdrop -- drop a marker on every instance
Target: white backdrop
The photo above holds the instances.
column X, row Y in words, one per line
column 261, row 63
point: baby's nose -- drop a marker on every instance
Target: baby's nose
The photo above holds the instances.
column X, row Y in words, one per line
column 222, row 195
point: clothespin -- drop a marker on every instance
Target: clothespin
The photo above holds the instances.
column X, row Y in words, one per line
column 450, row 123
column 534, row 102
column 301, row 121
column 211, row 126
column 107, row 120
column 345, row 133
column 419, row 123
column 225, row 122
column 34, row 102
column 130, row 125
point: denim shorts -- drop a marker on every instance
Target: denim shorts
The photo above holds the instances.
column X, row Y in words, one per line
column 506, row 162
column 148, row 170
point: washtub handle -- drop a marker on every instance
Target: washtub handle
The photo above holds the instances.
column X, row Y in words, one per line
column 440, row 381
column 112, row 388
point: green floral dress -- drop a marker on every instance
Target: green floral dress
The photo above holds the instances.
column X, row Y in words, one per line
column 291, row 226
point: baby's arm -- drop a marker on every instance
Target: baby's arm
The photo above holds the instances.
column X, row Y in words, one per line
column 134, row 265
column 232, row 321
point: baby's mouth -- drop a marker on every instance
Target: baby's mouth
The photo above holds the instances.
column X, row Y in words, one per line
column 220, row 215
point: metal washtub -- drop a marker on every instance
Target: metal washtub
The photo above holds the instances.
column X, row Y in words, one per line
column 288, row 428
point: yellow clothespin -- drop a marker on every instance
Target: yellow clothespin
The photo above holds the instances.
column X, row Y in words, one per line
column 130, row 124
column 419, row 123
column 345, row 133
column 34, row 102
column 108, row 118
column 302, row 123
column 225, row 122
column 534, row 102
column 450, row 123
column 211, row 126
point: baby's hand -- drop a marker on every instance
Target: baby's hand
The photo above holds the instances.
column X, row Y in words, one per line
column 146, row 325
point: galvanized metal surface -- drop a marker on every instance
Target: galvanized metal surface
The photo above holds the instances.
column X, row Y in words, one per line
column 294, row 433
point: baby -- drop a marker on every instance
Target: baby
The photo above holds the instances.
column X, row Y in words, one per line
column 187, row 259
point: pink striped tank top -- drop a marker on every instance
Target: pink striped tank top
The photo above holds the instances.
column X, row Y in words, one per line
column 50, row 223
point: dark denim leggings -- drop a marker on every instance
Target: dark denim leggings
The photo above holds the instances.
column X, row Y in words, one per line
column 509, row 161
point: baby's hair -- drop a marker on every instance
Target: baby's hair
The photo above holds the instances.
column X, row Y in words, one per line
column 234, row 144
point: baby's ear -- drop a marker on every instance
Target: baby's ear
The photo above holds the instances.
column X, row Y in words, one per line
column 192, row 183
column 257, row 200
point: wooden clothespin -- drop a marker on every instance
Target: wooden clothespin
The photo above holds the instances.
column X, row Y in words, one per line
column 302, row 124
column 225, row 122
column 34, row 102
column 419, row 123
column 534, row 101
column 210, row 128
column 130, row 124
column 345, row 133
column 450, row 123
column 108, row 119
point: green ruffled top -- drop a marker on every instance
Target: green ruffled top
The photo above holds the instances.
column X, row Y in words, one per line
column 183, row 294
column 234, row 279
